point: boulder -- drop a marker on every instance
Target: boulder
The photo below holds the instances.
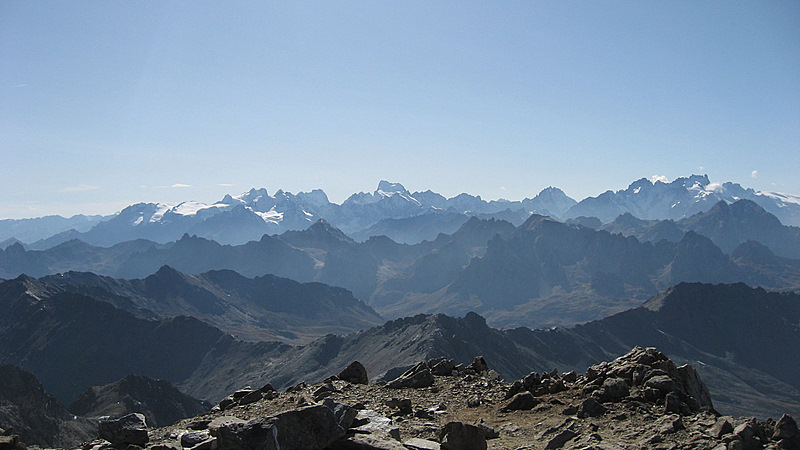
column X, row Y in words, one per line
column 128, row 429
column 616, row 388
column 354, row 373
column 419, row 376
column 786, row 428
column 312, row 427
column 521, row 401
column 461, row 436
column 442, row 366
column 721, row 428
column 591, row 408
column 343, row 413
column 479, row 364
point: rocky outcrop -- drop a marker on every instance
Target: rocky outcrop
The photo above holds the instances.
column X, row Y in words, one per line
column 639, row 400
column 130, row 429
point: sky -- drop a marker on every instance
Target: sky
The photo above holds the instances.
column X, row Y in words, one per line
column 105, row 104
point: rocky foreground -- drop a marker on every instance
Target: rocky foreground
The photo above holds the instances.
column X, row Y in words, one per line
column 640, row 400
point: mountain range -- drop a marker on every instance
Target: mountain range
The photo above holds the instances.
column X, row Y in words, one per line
column 390, row 210
column 540, row 273
column 744, row 341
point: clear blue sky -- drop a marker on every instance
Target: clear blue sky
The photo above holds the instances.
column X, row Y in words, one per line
column 108, row 103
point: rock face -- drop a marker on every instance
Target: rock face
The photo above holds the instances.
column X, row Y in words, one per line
column 648, row 374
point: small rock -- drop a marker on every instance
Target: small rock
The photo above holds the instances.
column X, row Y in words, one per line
column 672, row 404
column 570, row 410
column 560, row 439
column 199, row 424
column 473, row 402
column 490, row 432
column 421, row 444
column 193, row 438
column 369, row 441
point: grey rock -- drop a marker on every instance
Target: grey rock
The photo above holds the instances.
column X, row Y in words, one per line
column 371, row 422
column 193, row 438
column 312, row 427
column 128, row 429
column 442, row 366
column 570, row 377
column 786, row 428
column 591, row 408
column 747, row 433
column 420, row 378
column 461, row 436
column 521, row 401
column 661, row 382
column 560, row 439
column 220, row 421
column 615, row 389
column 368, row 441
column 672, row 404
column 421, row 444
column 343, row 413
column 241, row 393
column 490, row 432
column 354, row 373
column 479, row 364
column 252, row 397
column 694, row 386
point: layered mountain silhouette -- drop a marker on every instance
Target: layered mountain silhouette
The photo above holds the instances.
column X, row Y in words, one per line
column 540, row 273
column 390, row 210
column 727, row 225
column 261, row 308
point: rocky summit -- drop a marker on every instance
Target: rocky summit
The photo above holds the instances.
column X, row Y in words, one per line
column 639, row 400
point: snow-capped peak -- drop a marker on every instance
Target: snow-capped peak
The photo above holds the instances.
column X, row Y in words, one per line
column 387, row 189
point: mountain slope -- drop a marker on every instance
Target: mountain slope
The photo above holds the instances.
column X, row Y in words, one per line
column 260, row 308
column 160, row 402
